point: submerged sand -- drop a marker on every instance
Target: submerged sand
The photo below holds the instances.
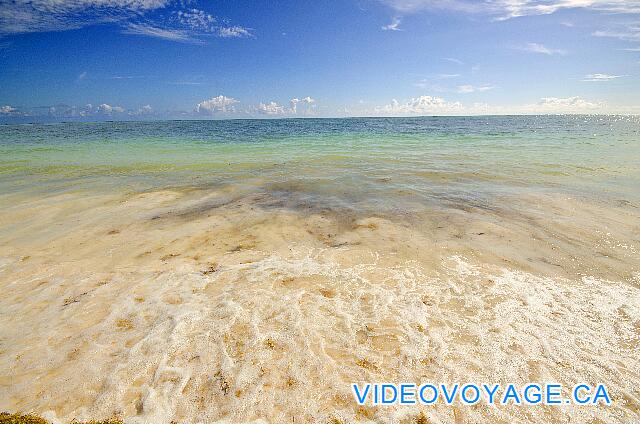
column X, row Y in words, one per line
column 214, row 304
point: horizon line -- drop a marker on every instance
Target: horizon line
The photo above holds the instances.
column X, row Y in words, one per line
column 79, row 121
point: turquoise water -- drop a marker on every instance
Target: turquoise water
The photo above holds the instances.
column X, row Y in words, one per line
column 342, row 160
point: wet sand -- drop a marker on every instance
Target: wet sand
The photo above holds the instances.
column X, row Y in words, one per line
column 206, row 304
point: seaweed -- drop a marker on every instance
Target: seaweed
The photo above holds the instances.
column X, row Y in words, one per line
column 8, row 418
column 366, row 364
column 211, row 269
column 124, row 324
column 270, row 344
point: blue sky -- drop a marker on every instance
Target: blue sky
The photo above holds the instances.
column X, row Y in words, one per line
column 154, row 59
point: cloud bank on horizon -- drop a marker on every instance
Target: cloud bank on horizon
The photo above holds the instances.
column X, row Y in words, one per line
column 156, row 59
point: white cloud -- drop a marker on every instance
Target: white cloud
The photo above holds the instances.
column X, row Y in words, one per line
column 125, row 77
column 167, row 34
column 626, row 33
column 300, row 107
column 165, row 19
column 468, row 88
column 88, row 111
column 434, row 84
column 108, row 109
column 428, row 105
column 601, row 77
column 305, row 106
column 216, row 104
column 85, row 111
column 234, row 32
column 271, row 109
column 196, row 19
column 540, row 48
column 408, row 6
column 6, row 110
column 144, row 110
column 393, row 26
column 506, row 9
column 574, row 104
column 306, row 103
column 454, row 60
column 20, row 16
column 423, row 105
column 515, row 8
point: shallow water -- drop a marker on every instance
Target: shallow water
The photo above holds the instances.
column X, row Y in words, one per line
column 246, row 270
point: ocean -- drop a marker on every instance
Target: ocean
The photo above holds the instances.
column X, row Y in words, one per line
column 244, row 270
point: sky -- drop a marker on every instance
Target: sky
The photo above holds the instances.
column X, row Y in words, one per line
column 63, row 60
